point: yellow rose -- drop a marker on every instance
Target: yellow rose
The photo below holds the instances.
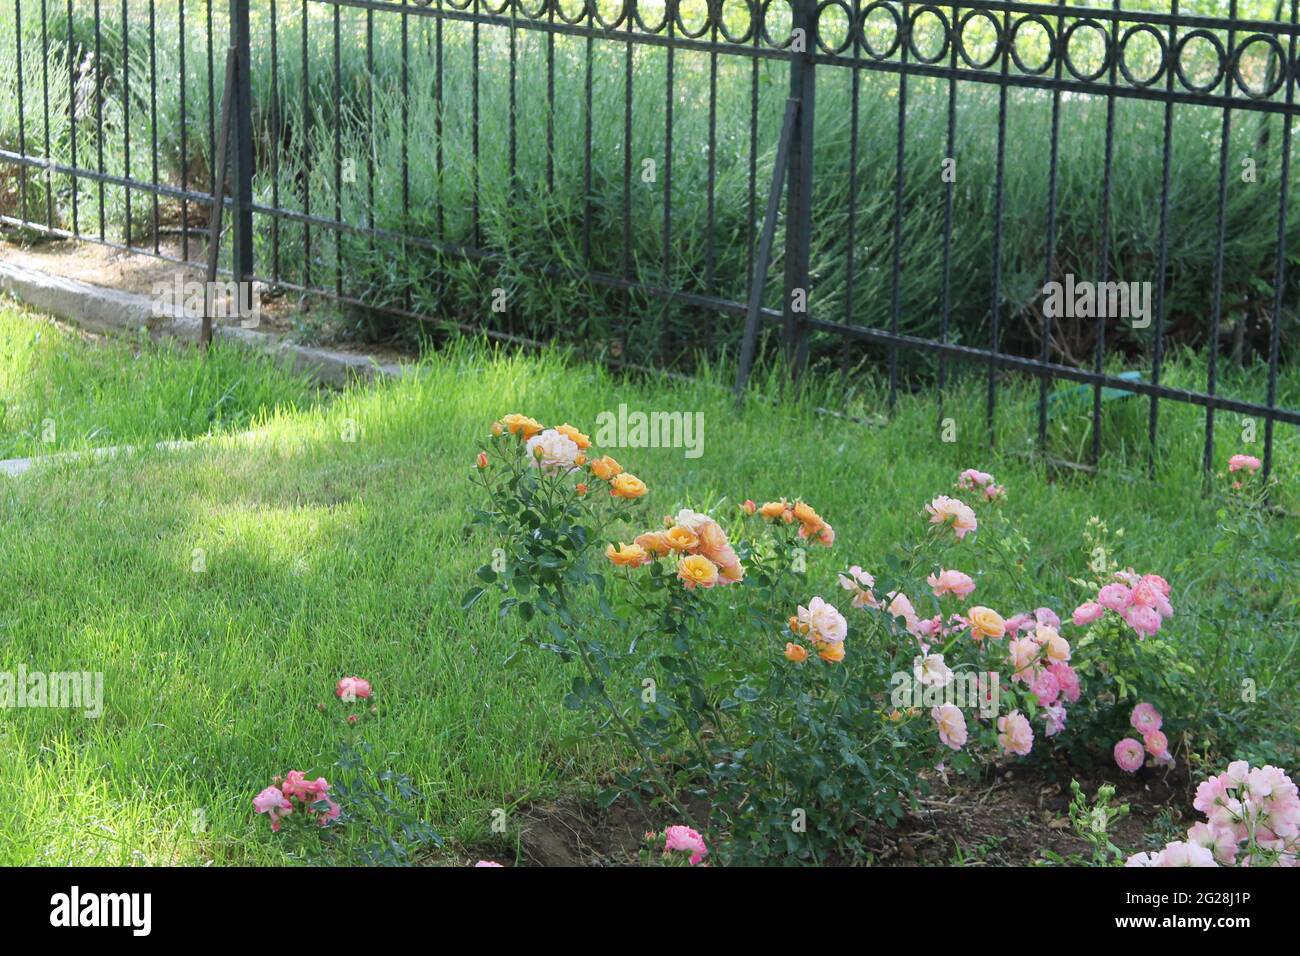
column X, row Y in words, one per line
column 695, row 570
column 579, row 439
column 627, row 555
column 796, row 653
column 606, row 468
column 522, row 426
column 627, row 485
column 985, row 622
column 497, row 428
column 681, row 539
column 1058, row 649
column 654, row 542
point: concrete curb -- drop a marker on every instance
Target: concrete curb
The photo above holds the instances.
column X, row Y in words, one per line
column 110, row 311
column 13, row 467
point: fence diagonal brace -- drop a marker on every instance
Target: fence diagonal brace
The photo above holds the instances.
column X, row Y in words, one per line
column 759, row 278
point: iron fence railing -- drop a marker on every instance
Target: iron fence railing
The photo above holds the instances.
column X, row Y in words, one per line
column 310, row 74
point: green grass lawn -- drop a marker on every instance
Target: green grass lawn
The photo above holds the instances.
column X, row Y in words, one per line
column 327, row 557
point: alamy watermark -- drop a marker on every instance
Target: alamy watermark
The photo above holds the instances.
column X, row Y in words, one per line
column 624, row 429
column 68, row 690
column 969, row 690
column 75, row 908
column 222, row 300
column 1098, row 300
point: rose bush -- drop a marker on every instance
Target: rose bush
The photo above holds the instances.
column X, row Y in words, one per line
column 793, row 698
column 373, row 806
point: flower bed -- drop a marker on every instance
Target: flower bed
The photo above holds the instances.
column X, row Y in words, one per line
column 701, row 640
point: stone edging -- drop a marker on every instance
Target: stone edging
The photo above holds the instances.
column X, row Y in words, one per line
column 110, row 311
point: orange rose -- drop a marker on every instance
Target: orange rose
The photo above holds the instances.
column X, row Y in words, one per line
column 731, row 573
column 580, row 488
column 713, row 541
column 579, row 439
column 627, row 485
column 831, row 652
column 796, row 653
column 606, row 468
column 522, row 425
column 627, row 555
column 772, row 509
column 654, row 542
column 695, row 570
column 681, row 539
column 749, row 507
column 805, row 515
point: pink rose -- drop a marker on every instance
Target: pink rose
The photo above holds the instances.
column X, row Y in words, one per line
column 1248, row 462
column 485, row 863
column 1129, row 755
column 951, row 582
column 682, row 839
column 949, row 511
column 1156, row 589
column 272, row 802
column 1024, row 652
column 1087, row 612
column 1156, row 743
column 1145, row 718
column 1219, row 841
column 350, row 688
column 1209, row 793
column 1015, row 736
column 1066, row 679
column 1054, row 715
column 1157, row 582
column 296, row 785
column 1113, row 596
column 1045, row 615
column 1144, row 620
column 970, row 479
column 1186, row 854
column 1018, row 623
column 952, row 725
column 1045, row 688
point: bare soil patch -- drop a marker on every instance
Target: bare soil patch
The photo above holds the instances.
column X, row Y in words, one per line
column 1009, row 820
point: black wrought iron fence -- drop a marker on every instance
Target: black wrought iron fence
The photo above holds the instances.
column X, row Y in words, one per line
column 718, row 165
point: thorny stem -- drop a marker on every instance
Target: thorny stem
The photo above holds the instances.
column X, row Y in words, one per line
column 632, row 738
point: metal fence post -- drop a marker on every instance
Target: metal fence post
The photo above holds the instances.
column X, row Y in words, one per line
column 241, row 169
column 798, row 222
